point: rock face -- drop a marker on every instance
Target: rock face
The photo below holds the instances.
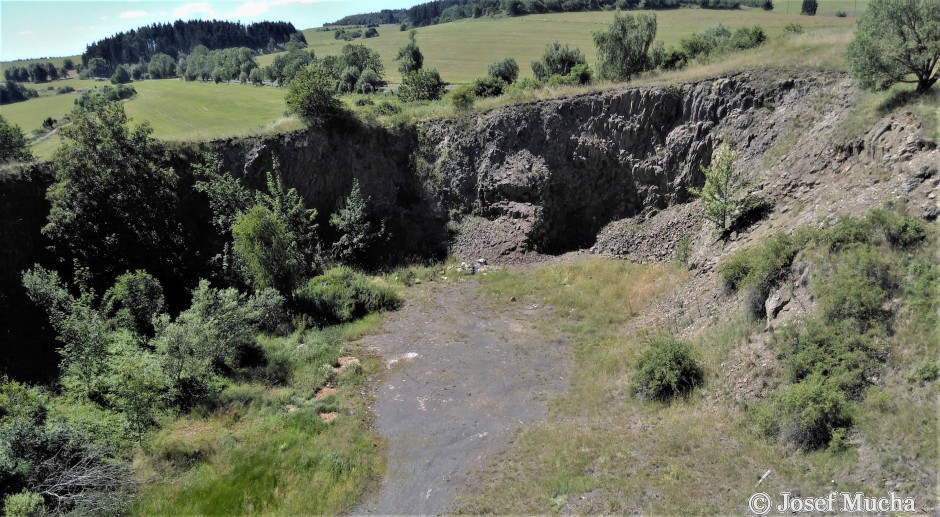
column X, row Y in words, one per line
column 558, row 171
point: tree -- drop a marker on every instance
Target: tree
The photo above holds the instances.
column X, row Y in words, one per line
column 421, row 85
column 133, row 302
column 358, row 234
column 99, row 67
column 287, row 205
column 256, row 77
column 113, row 203
column 809, row 7
column 723, row 187
column 623, row 49
column 894, row 40
column 161, row 66
column 310, row 95
column 13, row 144
column 558, row 60
column 409, row 56
column 505, row 69
column 121, row 75
column 267, row 250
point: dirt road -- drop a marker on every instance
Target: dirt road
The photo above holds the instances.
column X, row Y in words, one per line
column 463, row 378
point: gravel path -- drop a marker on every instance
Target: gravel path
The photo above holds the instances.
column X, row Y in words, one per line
column 463, row 379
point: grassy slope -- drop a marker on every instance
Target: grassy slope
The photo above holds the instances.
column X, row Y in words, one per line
column 250, row 455
column 462, row 50
column 695, row 456
column 176, row 109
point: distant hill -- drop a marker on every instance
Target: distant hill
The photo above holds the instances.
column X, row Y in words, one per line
column 180, row 36
column 443, row 11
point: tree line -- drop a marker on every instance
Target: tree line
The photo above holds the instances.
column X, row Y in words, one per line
column 182, row 36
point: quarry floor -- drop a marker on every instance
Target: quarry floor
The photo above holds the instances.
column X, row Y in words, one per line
column 463, row 377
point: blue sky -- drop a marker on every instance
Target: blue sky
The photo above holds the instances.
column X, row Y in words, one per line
column 40, row 28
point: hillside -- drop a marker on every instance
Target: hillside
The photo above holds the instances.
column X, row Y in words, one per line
column 461, row 50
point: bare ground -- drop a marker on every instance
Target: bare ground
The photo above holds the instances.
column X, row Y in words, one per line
column 463, row 378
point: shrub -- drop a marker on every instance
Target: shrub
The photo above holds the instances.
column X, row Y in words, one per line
column 263, row 245
column 64, row 90
column 462, row 98
column 410, row 58
column 793, row 28
column 927, row 371
column 133, row 301
column 310, row 95
column 805, row 415
column 834, row 350
column 841, row 14
column 506, row 70
column 858, row 287
column 809, row 7
column 487, row 87
column 558, row 59
column 121, row 76
column 24, row 504
column 13, row 144
column 923, row 291
column 666, row 369
column 387, row 108
column 421, row 85
column 759, row 268
column 341, row 295
column 371, row 32
column 579, row 75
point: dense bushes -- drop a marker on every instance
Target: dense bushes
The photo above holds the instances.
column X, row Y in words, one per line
column 311, row 96
column 421, row 85
column 342, row 295
column 94, row 99
column 506, row 70
column 712, row 41
column 807, row 415
column 216, row 65
column 832, row 356
column 12, row 91
column 558, row 60
column 666, row 369
column 13, row 145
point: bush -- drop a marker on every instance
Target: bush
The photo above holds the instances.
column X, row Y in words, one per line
column 12, row 91
column 793, row 28
column 13, row 144
column 133, row 302
column 263, row 245
column 759, row 268
column 341, row 295
column 387, row 108
column 64, row 89
column 121, row 76
column 94, row 99
column 858, row 287
column 24, row 504
column 558, row 59
column 310, row 95
column 506, row 70
column 809, row 7
column 805, row 415
column 927, row 371
column 841, row 14
column 834, row 350
column 421, row 85
column 462, row 98
column 487, row 87
column 579, row 75
column 666, row 369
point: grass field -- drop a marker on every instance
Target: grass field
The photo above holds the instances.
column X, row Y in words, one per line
column 176, row 109
column 462, row 50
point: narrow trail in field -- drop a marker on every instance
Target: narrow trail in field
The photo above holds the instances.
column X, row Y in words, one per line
column 463, row 378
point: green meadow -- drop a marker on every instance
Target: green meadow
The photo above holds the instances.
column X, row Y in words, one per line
column 177, row 110
column 462, row 50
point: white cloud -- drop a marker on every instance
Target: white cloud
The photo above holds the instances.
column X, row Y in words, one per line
column 128, row 15
column 194, row 10
column 26, row 33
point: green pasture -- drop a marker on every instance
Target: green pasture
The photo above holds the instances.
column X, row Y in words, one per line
column 462, row 50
